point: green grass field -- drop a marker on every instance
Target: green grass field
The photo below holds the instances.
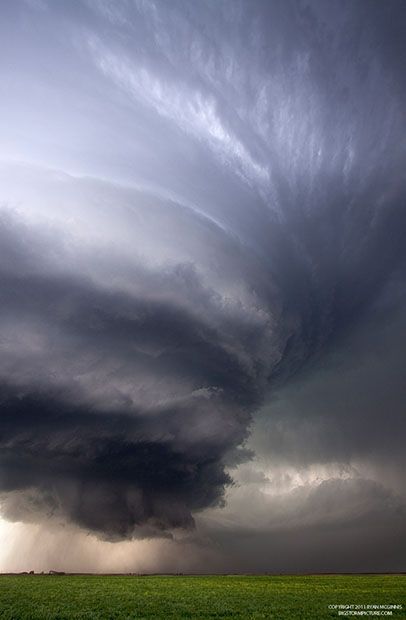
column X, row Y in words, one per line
column 38, row 597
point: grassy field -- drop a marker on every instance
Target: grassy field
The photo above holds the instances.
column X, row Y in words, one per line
column 39, row 597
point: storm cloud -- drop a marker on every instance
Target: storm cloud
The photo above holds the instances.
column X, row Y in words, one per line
column 202, row 270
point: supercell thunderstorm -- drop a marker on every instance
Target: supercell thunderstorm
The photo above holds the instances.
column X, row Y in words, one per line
column 199, row 202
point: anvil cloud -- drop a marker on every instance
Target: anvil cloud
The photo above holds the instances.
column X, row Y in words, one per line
column 202, row 275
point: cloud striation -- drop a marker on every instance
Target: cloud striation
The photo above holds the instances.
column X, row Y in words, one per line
column 201, row 232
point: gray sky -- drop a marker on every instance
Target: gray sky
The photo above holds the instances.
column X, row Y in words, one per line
column 202, row 285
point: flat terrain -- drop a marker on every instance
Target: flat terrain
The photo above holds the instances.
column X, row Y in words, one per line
column 85, row 597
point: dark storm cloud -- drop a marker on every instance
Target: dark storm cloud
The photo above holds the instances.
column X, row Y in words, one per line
column 249, row 225
column 114, row 472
